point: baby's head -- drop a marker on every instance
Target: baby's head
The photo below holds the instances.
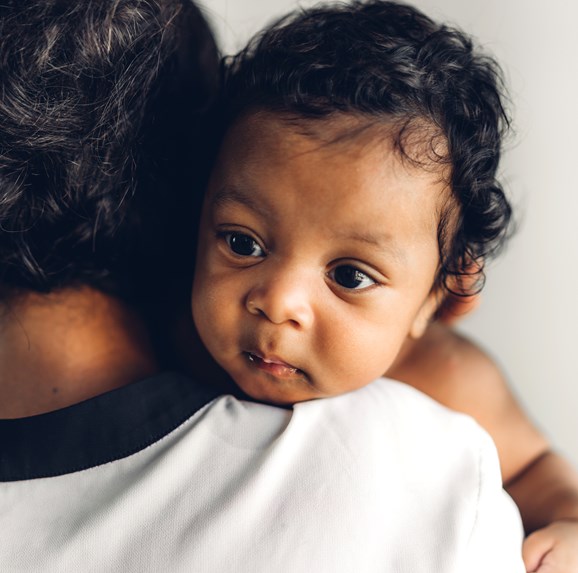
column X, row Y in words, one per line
column 355, row 185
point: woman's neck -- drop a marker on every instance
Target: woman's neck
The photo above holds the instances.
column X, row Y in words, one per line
column 65, row 347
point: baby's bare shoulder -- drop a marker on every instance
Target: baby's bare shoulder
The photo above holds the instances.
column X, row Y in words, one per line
column 449, row 367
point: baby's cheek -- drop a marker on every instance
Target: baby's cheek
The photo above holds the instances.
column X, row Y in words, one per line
column 223, row 313
column 360, row 363
column 204, row 309
column 377, row 352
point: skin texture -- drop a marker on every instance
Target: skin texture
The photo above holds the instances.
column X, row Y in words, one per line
column 61, row 348
column 309, row 241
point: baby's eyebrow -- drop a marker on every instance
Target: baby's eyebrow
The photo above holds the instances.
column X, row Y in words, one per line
column 383, row 241
column 236, row 195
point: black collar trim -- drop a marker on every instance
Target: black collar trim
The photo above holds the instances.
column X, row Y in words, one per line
column 100, row 430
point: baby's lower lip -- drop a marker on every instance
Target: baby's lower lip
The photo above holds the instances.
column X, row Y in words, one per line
column 276, row 368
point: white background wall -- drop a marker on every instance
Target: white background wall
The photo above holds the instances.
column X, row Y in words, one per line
column 529, row 314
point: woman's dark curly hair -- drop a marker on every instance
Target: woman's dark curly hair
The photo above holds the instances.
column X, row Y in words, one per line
column 101, row 105
column 386, row 61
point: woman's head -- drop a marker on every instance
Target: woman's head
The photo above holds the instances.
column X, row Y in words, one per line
column 101, row 113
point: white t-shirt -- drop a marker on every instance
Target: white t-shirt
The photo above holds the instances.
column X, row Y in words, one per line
column 382, row 479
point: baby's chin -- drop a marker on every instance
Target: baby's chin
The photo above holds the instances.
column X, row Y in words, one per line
column 282, row 394
column 270, row 397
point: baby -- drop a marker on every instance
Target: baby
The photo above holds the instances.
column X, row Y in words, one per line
column 355, row 187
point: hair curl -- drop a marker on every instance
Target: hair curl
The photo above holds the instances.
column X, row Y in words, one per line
column 102, row 103
column 389, row 62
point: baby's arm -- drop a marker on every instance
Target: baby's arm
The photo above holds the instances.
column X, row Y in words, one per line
column 461, row 376
column 547, row 495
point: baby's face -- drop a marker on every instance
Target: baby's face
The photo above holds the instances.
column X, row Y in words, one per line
column 315, row 261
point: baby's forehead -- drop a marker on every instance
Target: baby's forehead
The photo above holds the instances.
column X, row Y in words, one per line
column 413, row 144
column 265, row 150
column 417, row 141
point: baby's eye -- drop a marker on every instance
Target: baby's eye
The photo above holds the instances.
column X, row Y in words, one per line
column 243, row 245
column 351, row 278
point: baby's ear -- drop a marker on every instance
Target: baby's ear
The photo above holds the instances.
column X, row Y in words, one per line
column 426, row 313
column 462, row 293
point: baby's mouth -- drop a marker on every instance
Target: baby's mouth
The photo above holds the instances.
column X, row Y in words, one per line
column 273, row 366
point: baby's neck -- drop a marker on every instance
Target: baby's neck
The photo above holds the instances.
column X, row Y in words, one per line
column 63, row 348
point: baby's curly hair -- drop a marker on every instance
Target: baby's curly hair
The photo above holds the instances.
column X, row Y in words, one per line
column 387, row 62
column 100, row 109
